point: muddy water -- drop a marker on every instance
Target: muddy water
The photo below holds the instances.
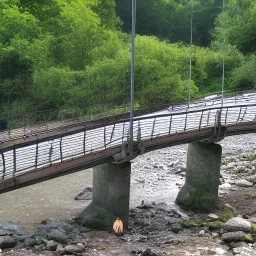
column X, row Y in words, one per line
column 54, row 199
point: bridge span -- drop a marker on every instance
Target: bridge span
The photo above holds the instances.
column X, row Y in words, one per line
column 26, row 160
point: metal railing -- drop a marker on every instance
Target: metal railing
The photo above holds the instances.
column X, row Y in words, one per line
column 42, row 153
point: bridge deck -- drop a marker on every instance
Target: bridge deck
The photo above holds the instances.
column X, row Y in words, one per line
column 45, row 155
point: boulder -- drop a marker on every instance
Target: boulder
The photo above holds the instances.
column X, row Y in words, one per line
column 234, row 236
column 58, row 236
column 52, row 245
column 7, row 242
column 30, row 242
column 73, row 249
column 237, row 224
column 244, row 183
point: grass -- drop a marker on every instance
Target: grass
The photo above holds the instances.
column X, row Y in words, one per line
column 252, row 195
column 227, row 214
column 241, row 170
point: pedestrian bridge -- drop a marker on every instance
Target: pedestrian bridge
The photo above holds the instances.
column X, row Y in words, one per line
column 27, row 158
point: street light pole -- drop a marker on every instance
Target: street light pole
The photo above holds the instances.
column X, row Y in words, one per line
column 132, row 77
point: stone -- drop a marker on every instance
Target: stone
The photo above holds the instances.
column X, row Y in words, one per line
column 10, row 227
column 81, row 245
column 237, row 224
column 30, row 242
column 200, row 191
column 252, row 220
column 244, row 183
column 238, row 244
column 201, row 233
column 213, row 216
column 3, row 232
column 52, row 245
column 73, row 249
column 19, row 238
column 244, row 251
column 142, row 238
column 58, row 236
column 7, row 242
column 229, row 206
column 176, row 228
column 60, row 249
column 234, row 236
column 215, row 235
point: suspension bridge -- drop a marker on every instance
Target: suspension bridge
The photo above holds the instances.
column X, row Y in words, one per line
column 34, row 155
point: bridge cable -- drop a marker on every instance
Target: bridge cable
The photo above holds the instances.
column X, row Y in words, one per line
column 223, row 54
column 191, row 52
column 132, row 77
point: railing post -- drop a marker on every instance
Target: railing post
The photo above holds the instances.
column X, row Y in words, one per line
column 61, row 149
column 185, row 122
column 36, row 159
column 201, row 119
column 170, row 126
column 3, row 160
column 153, row 128
column 84, row 141
column 105, row 137
column 14, row 160
column 112, row 134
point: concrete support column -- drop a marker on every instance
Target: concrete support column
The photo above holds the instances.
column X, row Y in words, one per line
column 111, row 195
column 200, row 191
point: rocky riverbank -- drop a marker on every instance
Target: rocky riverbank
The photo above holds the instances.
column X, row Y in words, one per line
column 157, row 225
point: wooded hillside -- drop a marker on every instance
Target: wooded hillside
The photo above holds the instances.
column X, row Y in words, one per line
column 56, row 54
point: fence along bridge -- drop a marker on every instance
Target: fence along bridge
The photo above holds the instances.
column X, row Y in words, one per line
column 36, row 157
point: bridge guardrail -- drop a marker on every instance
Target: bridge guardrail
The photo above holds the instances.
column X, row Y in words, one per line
column 19, row 159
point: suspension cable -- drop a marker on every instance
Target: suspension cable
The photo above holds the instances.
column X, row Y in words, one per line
column 191, row 52
column 223, row 54
column 132, row 76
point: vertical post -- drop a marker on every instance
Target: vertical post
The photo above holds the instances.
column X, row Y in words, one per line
column 132, row 76
column 14, row 160
column 36, row 159
column 84, row 141
column 61, row 149
column 3, row 160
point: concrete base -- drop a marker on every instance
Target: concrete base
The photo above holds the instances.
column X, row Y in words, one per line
column 111, row 195
column 200, row 191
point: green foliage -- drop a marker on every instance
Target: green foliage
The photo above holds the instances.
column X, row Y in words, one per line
column 252, row 195
column 215, row 224
column 227, row 214
column 61, row 53
column 248, row 238
column 193, row 224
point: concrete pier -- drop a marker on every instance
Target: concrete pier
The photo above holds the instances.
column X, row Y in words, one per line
column 111, row 195
column 200, row 191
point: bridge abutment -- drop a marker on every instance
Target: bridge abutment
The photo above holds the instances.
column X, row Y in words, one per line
column 200, row 191
column 111, row 195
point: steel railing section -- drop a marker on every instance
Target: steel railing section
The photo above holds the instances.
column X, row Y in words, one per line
column 28, row 124
column 20, row 159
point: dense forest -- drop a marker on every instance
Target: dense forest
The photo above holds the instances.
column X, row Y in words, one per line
column 55, row 54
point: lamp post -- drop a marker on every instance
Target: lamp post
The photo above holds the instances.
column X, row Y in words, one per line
column 132, row 77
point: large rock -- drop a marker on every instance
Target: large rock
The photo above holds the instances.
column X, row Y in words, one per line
column 73, row 248
column 237, row 224
column 58, row 236
column 244, row 183
column 52, row 245
column 30, row 242
column 96, row 217
column 7, row 242
column 234, row 236
column 244, row 251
